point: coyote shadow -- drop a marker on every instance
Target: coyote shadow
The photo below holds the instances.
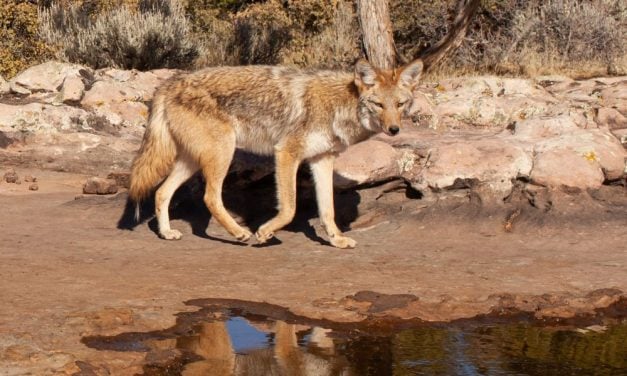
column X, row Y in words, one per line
column 253, row 204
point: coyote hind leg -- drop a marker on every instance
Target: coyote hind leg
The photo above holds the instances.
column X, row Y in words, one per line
column 215, row 161
column 183, row 169
column 286, row 169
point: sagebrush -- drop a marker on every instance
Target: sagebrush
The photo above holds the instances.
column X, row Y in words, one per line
column 20, row 44
column 144, row 38
column 518, row 37
column 526, row 37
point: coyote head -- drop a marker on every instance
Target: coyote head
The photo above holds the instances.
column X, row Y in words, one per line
column 385, row 95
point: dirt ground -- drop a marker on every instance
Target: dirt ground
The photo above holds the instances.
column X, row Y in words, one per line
column 69, row 271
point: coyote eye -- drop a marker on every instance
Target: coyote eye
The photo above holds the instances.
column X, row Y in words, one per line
column 401, row 104
column 376, row 104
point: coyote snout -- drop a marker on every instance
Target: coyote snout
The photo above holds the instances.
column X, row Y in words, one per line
column 385, row 96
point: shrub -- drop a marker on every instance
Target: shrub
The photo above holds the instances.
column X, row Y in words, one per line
column 577, row 37
column 569, row 35
column 155, row 35
column 520, row 37
column 214, row 31
column 20, row 45
column 333, row 42
column 261, row 31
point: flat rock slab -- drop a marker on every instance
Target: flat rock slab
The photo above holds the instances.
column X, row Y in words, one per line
column 48, row 76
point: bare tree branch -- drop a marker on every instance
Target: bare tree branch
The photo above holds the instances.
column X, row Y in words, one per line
column 454, row 38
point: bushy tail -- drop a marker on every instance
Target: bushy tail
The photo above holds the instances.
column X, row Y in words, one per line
column 156, row 155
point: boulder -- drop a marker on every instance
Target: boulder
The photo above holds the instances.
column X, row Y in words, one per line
column 542, row 127
column 104, row 92
column 120, row 104
column 17, row 89
column 9, row 137
column 72, row 89
column 122, row 179
column 487, row 101
column 610, row 118
column 600, row 149
column 564, row 167
column 5, row 87
column 615, row 96
column 479, row 111
column 423, row 109
column 366, row 162
column 100, row 186
column 621, row 134
column 46, row 77
column 140, row 84
column 11, row 176
column 553, row 83
column 492, row 162
column 42, row 118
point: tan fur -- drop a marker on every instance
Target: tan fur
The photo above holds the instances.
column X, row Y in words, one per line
column 213, row 344
column 198, row 119
column 156, row 155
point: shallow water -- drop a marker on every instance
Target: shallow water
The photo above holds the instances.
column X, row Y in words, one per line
column 234, row 342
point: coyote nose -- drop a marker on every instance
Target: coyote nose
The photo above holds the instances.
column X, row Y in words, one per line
column 394, row 129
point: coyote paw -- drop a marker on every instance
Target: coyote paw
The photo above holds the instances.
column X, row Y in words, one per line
column 244, row 236
column 263, row 235
column 343, row 242
column 170, row 234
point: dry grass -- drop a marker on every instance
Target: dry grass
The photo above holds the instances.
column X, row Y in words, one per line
column 306, row 33
column 155, row 35
column 335, row 45
column 573, row 37
column 261, row 31
column 513, row 37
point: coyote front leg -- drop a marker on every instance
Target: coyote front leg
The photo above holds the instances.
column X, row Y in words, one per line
column 287, row 161
column 322, row 170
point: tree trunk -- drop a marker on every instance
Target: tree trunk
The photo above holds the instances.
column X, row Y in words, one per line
column 376, row 28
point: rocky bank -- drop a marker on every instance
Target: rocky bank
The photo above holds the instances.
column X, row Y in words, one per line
column 484, row 131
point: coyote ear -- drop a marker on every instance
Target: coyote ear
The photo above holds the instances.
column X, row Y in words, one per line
column 410, row 75
column 365, row 74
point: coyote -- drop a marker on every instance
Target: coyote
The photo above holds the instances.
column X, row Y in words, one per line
column 198, row 119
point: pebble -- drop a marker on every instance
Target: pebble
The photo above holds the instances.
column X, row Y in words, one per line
column 100, row 186
column 11, row 176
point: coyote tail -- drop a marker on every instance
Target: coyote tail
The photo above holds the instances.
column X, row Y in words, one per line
column 156, row 154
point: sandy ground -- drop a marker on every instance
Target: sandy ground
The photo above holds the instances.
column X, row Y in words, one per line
column 68, row 271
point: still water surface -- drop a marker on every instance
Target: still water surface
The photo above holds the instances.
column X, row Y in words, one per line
column 230, row 342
